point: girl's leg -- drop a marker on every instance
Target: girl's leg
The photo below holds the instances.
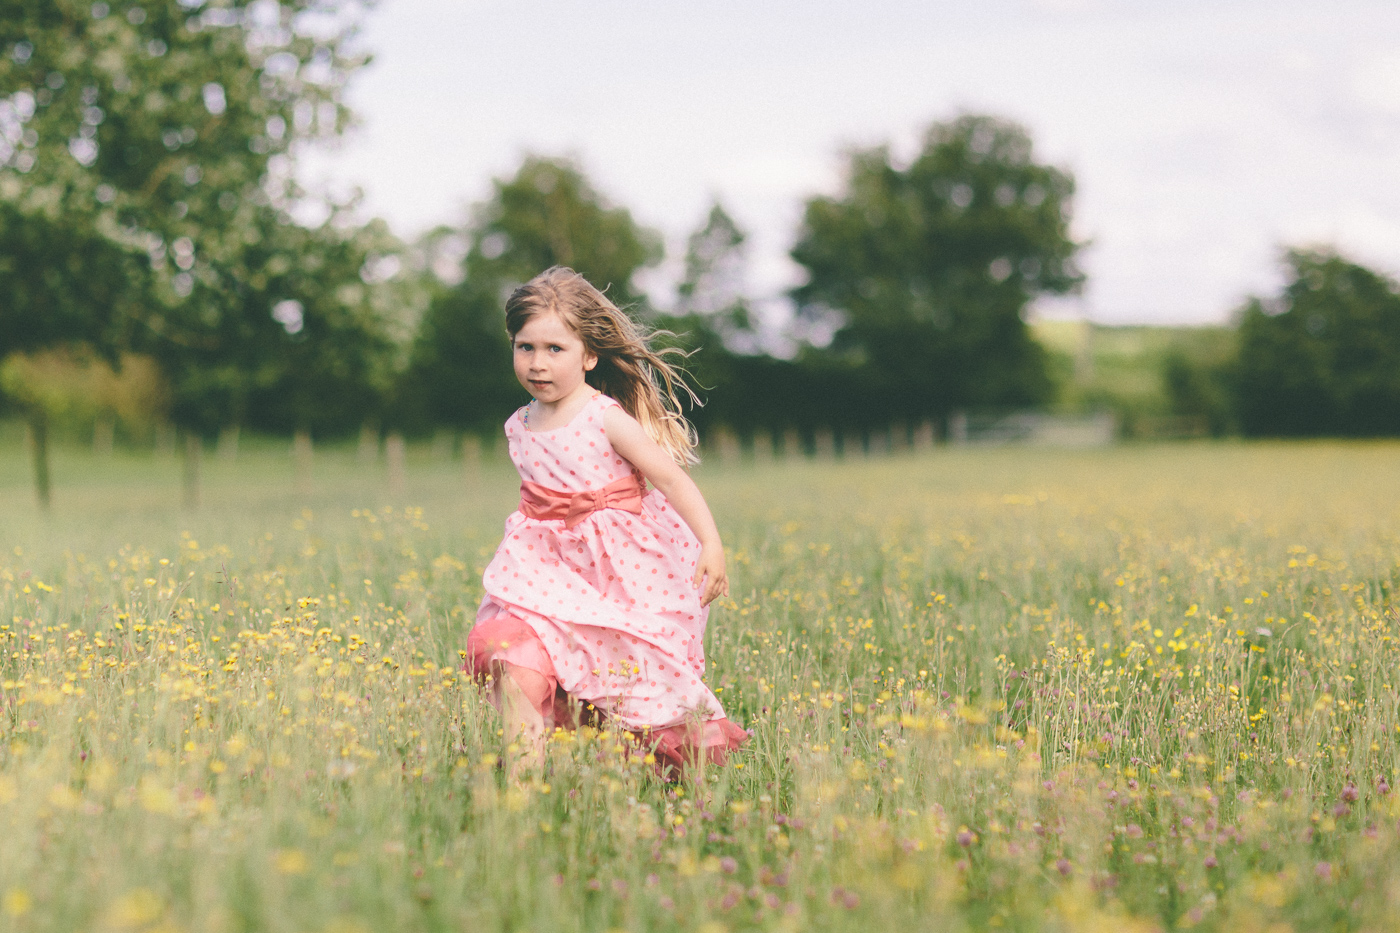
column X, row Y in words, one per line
column 523, row 696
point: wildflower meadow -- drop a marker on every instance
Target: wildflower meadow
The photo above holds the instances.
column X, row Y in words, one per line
column 1141, row 688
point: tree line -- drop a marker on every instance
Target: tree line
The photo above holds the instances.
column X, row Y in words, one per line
column 150, row 219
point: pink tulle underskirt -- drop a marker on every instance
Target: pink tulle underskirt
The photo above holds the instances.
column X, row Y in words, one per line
column 509, row 641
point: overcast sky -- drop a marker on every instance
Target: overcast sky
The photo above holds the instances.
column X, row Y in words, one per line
column 1203, row 135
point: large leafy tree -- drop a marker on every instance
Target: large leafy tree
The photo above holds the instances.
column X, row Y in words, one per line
column 145, row 178
column 1324, row 357
column 743, row 388
column 929, row 267
column 60, row 282
column 310, row 345
column 546, row 214
column 163, row 129
column 713, row 293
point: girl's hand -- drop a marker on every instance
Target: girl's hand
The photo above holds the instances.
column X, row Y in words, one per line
column 710, row 575
column 635, row 445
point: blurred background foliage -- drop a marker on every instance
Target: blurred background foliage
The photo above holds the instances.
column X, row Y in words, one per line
column 162, row 273
column 459, row 371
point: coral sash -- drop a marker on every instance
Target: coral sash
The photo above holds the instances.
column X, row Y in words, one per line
column 551, row 505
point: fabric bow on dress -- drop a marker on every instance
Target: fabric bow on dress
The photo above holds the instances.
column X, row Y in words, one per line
column 543, row 504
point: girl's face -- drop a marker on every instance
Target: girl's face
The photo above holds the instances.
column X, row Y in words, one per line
column 550, row 359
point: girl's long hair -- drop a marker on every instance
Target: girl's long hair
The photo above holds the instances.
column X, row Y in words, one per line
column 642, row 379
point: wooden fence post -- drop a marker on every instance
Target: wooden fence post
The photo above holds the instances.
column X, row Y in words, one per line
column 302, row 453
column 395, row 452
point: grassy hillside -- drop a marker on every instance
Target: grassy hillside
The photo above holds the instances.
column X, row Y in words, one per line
column 1126, row 370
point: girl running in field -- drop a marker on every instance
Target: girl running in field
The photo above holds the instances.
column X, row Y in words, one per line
column 597, row 598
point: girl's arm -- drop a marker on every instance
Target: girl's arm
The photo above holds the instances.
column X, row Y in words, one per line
column 631, row 441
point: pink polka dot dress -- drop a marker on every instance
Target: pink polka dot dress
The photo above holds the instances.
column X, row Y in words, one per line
column 604, row 610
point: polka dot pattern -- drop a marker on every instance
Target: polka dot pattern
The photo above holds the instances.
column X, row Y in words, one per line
column 611, row 598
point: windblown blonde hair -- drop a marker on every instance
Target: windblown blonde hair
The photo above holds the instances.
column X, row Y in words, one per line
column 642, row 379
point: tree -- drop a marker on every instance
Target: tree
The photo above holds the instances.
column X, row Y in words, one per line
column 930, row 267
column 305, row 342
column 1324, row 357
column 714, row 294
column 155, row 141
column 744, row 389
column 60, row 283
column 547, row 214
column 1196, row 378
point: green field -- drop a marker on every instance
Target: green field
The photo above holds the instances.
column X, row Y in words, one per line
column 1150, row 687
column 1125, row 370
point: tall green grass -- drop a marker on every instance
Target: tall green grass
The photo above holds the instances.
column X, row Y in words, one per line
column 1017, row 689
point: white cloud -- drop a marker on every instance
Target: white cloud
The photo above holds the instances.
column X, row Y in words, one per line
column 1375, row 83
column 1068, row 6
column 1202, row 135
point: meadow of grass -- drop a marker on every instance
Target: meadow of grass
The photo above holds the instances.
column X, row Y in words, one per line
column 1141, row 688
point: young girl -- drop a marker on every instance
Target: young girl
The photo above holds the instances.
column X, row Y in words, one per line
column 597, row 598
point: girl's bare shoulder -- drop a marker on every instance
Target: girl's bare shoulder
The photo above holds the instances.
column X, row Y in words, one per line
column 618, row 423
